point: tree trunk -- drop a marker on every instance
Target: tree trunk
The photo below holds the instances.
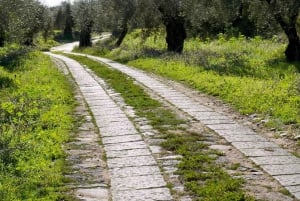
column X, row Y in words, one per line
column 85, row 36
column 28, row 39
column 176, row 34
column 122, row 35
column 292, row 51
column 2, row 37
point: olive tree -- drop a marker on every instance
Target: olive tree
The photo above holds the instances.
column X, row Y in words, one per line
column 120, row 14
column 286, row 13
column 20, row 20
column 173, row 18
column 84, row 12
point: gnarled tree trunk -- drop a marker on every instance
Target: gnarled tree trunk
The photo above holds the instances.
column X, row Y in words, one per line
column 292, row 51
column 176, row 33
column 288, row 25
column 2, row 36
column 174, row 23
column 86, row 35
column 122, row 35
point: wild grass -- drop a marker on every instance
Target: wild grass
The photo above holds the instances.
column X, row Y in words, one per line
column 36, row 107
column 201, row 175
column 250, row 74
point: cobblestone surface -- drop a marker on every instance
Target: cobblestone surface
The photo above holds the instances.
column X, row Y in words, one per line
column 88, row 178
column 123, row 158
column 262, row 151
column 126, row 144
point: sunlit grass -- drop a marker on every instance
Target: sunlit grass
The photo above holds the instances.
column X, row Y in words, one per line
column 35, row 120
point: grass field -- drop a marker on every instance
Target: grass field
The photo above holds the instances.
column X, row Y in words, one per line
column 36, row 107
column 250, row 74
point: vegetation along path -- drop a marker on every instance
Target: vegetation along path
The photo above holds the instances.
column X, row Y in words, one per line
column 276, row 161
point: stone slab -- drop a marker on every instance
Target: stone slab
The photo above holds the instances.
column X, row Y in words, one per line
column 116, row 125
column 245, row 138
column 125, row 146
column 127, row 153
column 254, row 145
column 264, row 152
column 93, row 194
column 208, row 116
column 134, row 171
column 156, row 194
column 297, row 195
column 282, row 169
column 106, row 112
column 113, row 131
column 105, row 119
column 120, row 139
column 275, row 160
column 235, row 132
column 118, row 133
column 155, row 149
column 184, row 103
column 137, row 182
column 217, row 121
column 131, row 161
column 94, row 97
column 235, row 126
column 293, row 189
column 288, row 180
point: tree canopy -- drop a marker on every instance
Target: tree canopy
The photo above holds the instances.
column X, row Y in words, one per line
column 22, row 19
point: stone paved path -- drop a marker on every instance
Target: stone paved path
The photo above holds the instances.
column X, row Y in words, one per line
column 88, row 177
column 276, row 161
column 134, row 174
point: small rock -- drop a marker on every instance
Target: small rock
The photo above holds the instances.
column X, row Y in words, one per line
column 283, row 134
column 253, row 116
column 297, row 137
column 221, row 147
column 264, row 121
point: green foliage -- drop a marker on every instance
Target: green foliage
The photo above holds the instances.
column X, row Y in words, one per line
column 35, row 118
column 21, row 20
column 45, row 45
column 251, row 74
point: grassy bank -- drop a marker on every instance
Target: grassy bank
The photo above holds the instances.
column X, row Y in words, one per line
column 203, row 178
column 36, row 108
column 250, row 74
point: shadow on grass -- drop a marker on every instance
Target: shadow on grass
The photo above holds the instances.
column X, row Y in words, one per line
column 225, row 64
column 282, row 66
column 6, row 82
column 13, row 58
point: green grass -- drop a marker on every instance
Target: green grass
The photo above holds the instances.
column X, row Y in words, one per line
column 36, row 109
column 250, row 74
column 202, row 177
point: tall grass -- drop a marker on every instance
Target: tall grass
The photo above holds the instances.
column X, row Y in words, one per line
column 250, row 74
column 35, row 118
